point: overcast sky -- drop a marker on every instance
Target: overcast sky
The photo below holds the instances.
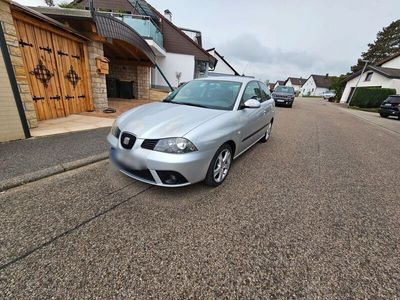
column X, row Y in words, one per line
column 276, row 39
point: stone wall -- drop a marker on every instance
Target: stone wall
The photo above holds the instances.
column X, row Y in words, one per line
column 99, row 88
column 143, row 82
column 17, row 61
column 125, row 72
column 140, row 75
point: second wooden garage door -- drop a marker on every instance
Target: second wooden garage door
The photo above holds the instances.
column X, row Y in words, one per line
column 56, row 69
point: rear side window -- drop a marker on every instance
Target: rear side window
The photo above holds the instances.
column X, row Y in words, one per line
column 252, row 91
column 265, row 93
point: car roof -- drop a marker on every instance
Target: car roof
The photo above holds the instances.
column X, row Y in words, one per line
column 242, row 79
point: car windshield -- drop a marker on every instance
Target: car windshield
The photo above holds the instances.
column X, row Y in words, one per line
column 214, row 94
column 394, row 100
column 285, row 89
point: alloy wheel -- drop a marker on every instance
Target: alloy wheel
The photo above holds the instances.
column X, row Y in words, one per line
column 222, row 165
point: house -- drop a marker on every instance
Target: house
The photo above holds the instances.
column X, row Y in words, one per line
column 278, row 83
column 316, row 85
column 385, row 74
column 296, row 83
column 179, row 58
column 57, row 62
column 221, row 67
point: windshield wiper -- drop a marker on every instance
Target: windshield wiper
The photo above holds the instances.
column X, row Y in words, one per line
column 190, row 104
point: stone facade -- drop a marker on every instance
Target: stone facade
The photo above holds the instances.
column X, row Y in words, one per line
column 140, row 75
column 17, row 61
column 98, row 81
column 143, row 82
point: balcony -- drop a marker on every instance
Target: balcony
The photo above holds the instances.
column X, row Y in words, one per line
column 145, row 26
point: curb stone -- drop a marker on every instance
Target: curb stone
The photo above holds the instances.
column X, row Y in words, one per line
column 47, row 172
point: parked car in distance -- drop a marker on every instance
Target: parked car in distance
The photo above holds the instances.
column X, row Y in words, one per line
column 194, row 134
column 284, row 95
column 390, row 107
column 329, row 95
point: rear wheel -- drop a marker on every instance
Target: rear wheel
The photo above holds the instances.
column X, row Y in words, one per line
column 267, row 135
column 219, row 166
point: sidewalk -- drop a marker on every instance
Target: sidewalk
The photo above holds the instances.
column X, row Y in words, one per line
column 28, row 160
column 392, row 124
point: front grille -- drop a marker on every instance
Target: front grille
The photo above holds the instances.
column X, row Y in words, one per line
column 127, row 140
column 144, row 174
column 149, row 144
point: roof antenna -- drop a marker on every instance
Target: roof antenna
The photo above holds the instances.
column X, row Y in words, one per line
column 245, row 68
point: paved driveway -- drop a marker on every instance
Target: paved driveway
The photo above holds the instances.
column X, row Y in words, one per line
column 314, row 213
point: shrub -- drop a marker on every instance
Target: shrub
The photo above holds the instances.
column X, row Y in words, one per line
column 370, row 97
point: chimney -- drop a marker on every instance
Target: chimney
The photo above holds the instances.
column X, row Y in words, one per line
column 168, row 14
column 327, row 75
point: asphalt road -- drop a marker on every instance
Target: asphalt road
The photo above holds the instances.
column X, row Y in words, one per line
column 313, row 213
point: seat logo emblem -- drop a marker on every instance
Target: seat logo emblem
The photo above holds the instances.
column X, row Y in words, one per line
column 126, row 140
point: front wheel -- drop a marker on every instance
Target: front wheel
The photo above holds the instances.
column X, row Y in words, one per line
column 219, row 166
column 267, row 135
column 384, row 116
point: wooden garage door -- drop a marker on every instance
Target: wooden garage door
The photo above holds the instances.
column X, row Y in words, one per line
column 56, row 68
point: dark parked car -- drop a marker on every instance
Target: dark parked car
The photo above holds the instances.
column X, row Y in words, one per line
column 284, row 95
column 390, row 107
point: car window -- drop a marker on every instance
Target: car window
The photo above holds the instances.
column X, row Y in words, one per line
column 252, row 91
column 285, row 89
column 394, row 100
column 265, row 93
column 214, row 94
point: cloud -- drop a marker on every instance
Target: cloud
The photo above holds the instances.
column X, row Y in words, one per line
column 248, row 53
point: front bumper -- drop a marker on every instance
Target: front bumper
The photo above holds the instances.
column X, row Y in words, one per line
column 389, row 111
column 152, row 166
column 283, row 101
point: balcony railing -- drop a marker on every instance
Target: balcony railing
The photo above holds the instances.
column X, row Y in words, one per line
column 143, row 25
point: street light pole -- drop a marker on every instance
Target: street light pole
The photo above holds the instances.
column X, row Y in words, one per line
column 359, row 78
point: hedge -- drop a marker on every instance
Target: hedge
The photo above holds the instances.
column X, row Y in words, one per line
column 365, row 97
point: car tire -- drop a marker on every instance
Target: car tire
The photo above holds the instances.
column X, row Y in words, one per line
column 384, row 116
column 215, row 178
column 290, row 105
column 267, row 135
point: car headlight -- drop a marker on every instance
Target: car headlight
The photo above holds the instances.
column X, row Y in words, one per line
column 175, row 145
column 115, row 131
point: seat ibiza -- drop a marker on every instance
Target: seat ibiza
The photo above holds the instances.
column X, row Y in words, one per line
column 194, row 134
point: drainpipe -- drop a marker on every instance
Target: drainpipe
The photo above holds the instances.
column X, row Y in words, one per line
column 358, row 81
column 165, row 78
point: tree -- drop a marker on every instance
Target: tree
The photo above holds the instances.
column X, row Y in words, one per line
column 387, row 43
column 49, row 3
column 70, row 5
column 338, row 85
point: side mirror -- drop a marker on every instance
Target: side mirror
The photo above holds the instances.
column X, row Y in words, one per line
column 252, row 103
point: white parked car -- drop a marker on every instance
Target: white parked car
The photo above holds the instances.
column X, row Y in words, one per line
column 329, row 95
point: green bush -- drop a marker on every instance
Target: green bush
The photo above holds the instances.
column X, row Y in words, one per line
column 370, row 97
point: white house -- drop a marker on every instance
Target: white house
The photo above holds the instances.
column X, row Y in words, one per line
column 278, row 83
column 222, row 67
column 296, row 83
column 385, row 74
column 316, row 85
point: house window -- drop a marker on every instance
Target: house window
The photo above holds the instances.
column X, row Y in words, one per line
column 369, row 76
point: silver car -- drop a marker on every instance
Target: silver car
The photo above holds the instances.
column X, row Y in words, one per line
column 194, row 134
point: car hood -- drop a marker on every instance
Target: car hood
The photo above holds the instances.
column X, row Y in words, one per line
column 162, row 120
